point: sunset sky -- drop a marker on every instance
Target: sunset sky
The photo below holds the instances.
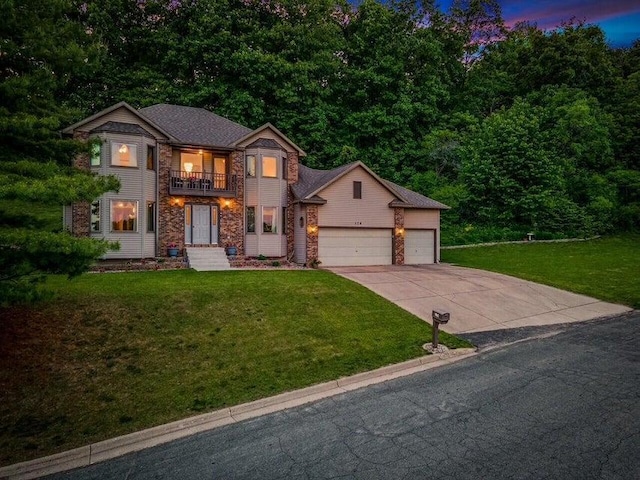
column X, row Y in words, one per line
column 620, row 19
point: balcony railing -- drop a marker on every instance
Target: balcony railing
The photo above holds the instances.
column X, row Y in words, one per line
column 202, row 184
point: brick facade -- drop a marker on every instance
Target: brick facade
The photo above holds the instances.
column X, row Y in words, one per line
column 312, row 233
column 292, row 177
column 232, row 216
column 398, row 236
column 81, row 211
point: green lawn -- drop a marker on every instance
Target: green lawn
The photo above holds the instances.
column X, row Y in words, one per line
column 120, row 352
column 607, row 268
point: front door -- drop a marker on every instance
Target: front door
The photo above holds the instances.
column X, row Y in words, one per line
column 201, row 224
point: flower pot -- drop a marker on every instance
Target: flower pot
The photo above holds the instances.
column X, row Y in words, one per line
column 172, row 252
column 232, row 251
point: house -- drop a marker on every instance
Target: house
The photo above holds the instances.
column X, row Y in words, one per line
column 193, row 178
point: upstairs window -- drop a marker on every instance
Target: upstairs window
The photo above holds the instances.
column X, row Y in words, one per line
column 96, row 151
column 151, row 157
column 357, row 189
column 251, row 165
column 284, row 168
column 269, row 167
column 124, row 155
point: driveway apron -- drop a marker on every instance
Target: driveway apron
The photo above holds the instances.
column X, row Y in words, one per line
column 476, row 299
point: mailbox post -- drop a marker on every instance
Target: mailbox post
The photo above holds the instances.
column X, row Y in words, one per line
column 438, row 317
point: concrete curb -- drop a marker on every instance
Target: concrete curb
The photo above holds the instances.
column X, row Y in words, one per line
column 133, row 442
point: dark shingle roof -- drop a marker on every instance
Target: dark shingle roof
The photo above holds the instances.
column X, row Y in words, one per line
column 120, row 127
column 195, row 126
column 310, row 180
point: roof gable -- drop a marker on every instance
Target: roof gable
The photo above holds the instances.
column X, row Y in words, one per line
column 311, row 182
column 256, row 134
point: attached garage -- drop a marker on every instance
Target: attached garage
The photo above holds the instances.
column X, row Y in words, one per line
column 419, row 247
column 355, row 246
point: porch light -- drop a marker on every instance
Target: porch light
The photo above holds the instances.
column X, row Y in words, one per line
column 188, row 166
column 227, row 203
column 176, row 202
column 312, row 228
column 400, row 231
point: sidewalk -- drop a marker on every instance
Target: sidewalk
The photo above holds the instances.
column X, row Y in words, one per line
column 133, row 442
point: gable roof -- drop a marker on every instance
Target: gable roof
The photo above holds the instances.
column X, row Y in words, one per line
column 195, row 126
column 312, row 181
column 268, row 126
column 121, row 127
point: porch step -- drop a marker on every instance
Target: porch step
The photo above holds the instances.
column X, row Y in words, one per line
column 207, row 259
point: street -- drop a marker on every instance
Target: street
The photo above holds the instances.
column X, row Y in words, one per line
column 565, row 406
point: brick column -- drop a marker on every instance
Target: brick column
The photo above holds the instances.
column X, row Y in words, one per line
column 312, row 233
column 232, row 216
column 170, row 210
column 292, row 177
column 398, row 235
column 81, row 211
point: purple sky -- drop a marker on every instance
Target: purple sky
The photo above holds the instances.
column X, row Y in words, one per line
column 620, row 19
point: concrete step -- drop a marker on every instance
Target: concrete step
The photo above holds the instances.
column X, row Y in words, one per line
column 207, row 259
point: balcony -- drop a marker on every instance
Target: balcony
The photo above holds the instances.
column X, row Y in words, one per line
column 198, row 184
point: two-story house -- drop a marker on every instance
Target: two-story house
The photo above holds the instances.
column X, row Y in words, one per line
column 192, row 178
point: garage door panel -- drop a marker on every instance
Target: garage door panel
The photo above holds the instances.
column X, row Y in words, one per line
column 349, row 246
column 419, row 247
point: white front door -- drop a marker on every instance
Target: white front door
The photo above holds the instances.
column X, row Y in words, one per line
column 201, row 224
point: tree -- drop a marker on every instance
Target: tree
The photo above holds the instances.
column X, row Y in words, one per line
column 37, row 64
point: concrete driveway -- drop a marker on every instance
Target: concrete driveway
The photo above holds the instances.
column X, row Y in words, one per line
column 477, row 300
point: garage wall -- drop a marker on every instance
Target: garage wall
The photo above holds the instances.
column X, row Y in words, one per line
column 342, row 210
column 421, row 218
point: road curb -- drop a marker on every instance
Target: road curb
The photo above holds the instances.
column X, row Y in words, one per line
column 150, row 437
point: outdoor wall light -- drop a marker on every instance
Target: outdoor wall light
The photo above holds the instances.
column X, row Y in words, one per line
column 177, row 202
column 227, row 203
column 312, row 228
column 400, row 231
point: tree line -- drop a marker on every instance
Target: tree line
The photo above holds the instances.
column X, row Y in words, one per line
column 515, row 128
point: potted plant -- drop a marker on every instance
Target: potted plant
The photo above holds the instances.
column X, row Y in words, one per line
column 172, row 250
column 232, row 251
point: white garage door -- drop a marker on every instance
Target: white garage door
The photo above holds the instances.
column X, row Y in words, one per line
column 354, row 246
column 419, row 247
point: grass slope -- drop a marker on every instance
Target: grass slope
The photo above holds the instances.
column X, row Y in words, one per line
column 115, row 353
column 606, row 268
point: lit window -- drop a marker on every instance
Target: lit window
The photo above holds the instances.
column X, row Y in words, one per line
column 124, row 155
column 251, row 165
column 269, row 219
column 95, row 216
column 269, row 167
column 251, row 219
column 124, row 216
column 95, row 154
column 151, row 216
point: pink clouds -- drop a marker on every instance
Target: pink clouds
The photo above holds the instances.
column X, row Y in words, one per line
column 549, row 14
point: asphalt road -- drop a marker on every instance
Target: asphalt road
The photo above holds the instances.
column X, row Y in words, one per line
column 565, row 406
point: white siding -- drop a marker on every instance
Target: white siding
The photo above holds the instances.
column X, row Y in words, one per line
column 342, row 210
column 66, row 217
column 354, row 246
column 251, row 244
column 419, row 247
column 300, row 234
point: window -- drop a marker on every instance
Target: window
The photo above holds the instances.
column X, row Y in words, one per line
column 357, row 189
column 251, row 219
column 124, row 216
column 269, row 220
column 95, row 216
column 151, row 217
column 96, row 150
column 151, row 157
column 269, row 167
column 251, row 165
column 124, row 155
column 284, row 220
column 191, row 162
column 284, row 168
